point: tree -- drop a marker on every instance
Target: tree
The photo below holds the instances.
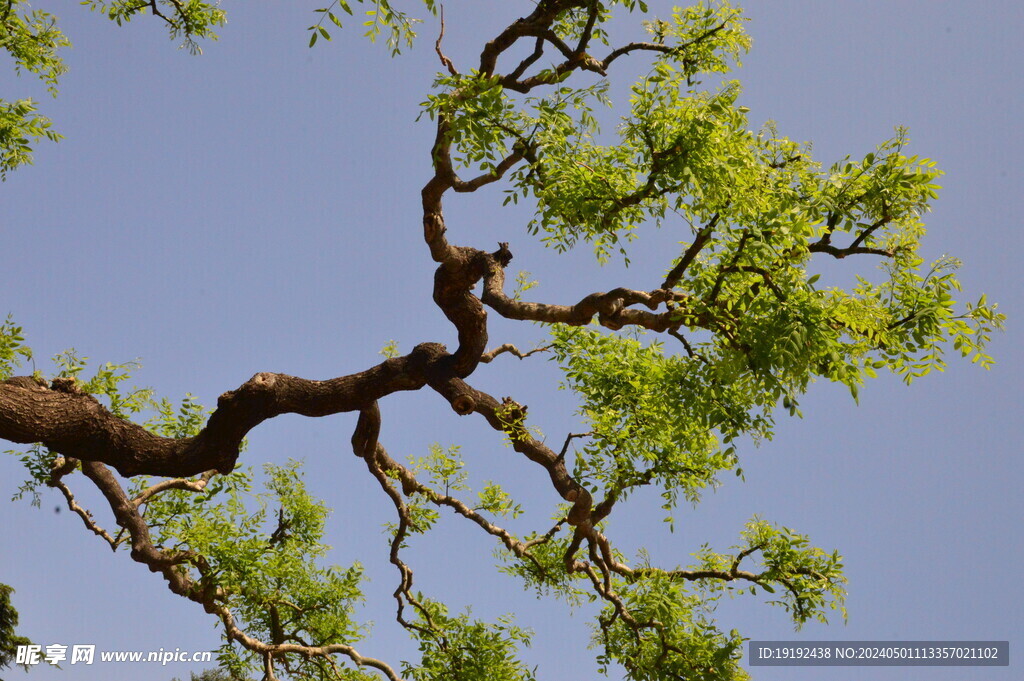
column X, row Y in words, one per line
column 741, row 321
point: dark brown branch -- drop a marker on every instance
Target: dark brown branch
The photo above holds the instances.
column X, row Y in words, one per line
column 657, row 47
column 155, row 9
column 699, row 242
column 366, row 446
column 494, row 175
column 884, row 220
column 588, row 30
column 509, row 417
column 613, row 309
column 174, row 483
column 538, row 51
column 61, row 467
column 534, row 25
column 569, row 438
column 840, row 253
column 764, row 276
column 690, row 352
column 732, row 264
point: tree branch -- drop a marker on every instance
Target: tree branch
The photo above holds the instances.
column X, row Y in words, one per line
column 445, row 61
column 699, row 242
column 77, row 425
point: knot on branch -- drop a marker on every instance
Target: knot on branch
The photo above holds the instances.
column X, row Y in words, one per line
column 503, row 255
column 608, row 315
column 512, row 412
column 464, row 405
column 67, row 384
column 588, row 63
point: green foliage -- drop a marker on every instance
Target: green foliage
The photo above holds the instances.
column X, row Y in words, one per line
column 33, row 41
column 667, row 617
column 9, row 641
column 213, row 675
column 390, row 349
column 678, row 140
column 812, row 579
column 12, row 348
column 382, row 19
column 497, row 501
column 264, row 551
column 544, row 571
column 184, row 422
column 38, row 462
column 806, row 581
column 19, row 126
column 187, row 20
column 523, row 284
column 444, row 468
column 654, row 419
column 463, row 649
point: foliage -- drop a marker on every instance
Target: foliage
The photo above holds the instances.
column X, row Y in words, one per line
column 9, row 641
column 188, row 20
column 462, row 649
column 263, row 552
column 382, row 19
column 32, row 39
column 212, row 675
column 12, row 348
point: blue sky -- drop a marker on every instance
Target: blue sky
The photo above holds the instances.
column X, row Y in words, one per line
column 257, row 209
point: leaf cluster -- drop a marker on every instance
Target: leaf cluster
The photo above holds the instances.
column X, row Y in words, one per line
column 459, row 648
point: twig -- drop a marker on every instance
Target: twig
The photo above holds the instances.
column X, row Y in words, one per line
column 437, row 48
column 489, row 356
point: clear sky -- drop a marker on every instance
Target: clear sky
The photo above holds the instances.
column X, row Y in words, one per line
column 257, row 209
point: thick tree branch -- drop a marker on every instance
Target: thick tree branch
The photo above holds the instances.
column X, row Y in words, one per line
column 77, row 425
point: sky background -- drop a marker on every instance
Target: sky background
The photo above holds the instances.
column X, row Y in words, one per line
column 257, row 209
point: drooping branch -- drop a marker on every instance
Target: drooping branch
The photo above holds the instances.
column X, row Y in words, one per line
column 509, row 417
column 62, row 466
column 365, row 445
column 168, row 564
